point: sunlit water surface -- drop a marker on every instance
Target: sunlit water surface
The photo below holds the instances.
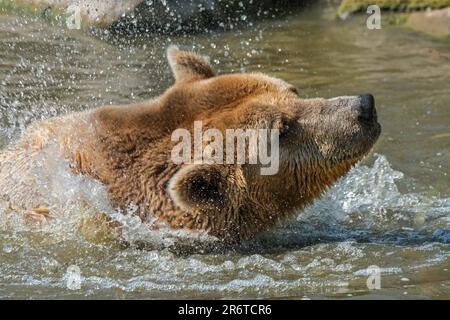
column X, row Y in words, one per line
column 392, row 211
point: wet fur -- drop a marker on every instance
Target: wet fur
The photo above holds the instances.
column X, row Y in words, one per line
column 128, row 149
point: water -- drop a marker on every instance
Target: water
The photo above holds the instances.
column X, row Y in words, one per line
column 392, row 211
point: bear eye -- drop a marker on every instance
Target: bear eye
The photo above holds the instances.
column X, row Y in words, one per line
column 294, row 90
column 286, row 128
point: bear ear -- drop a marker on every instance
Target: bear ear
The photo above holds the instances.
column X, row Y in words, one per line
column 201, row 187
column 188, row 66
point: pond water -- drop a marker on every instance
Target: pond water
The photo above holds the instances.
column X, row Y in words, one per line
column 392, row 210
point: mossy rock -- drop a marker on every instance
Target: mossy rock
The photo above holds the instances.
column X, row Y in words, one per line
column 30, row 9
column 93, row 13
column 435, row 23
column 350, row 6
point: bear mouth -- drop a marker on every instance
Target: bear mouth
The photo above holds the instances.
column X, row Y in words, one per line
column 366, row 139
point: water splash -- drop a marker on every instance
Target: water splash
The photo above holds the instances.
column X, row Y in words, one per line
column 367, row 205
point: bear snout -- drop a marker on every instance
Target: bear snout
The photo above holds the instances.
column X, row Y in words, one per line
column 366, row 108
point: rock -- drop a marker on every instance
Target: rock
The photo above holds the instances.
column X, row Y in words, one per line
column 350, row 6
column 169, row 16
column 166, row 16
column 101, row 13
column 435, row 23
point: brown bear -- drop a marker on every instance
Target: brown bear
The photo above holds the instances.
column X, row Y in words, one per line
column 128, row 149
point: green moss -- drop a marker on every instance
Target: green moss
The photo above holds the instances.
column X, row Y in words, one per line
column 350, row 6
column 396, row 18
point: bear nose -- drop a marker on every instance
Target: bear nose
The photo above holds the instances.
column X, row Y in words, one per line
column 366, row 108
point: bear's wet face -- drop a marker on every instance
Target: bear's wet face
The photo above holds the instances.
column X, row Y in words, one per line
column 320, row 140
column 342, row 128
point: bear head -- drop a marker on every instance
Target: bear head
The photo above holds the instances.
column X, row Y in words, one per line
column 319, row 140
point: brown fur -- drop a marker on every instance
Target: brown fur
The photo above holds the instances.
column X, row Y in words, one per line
column 128, row 149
